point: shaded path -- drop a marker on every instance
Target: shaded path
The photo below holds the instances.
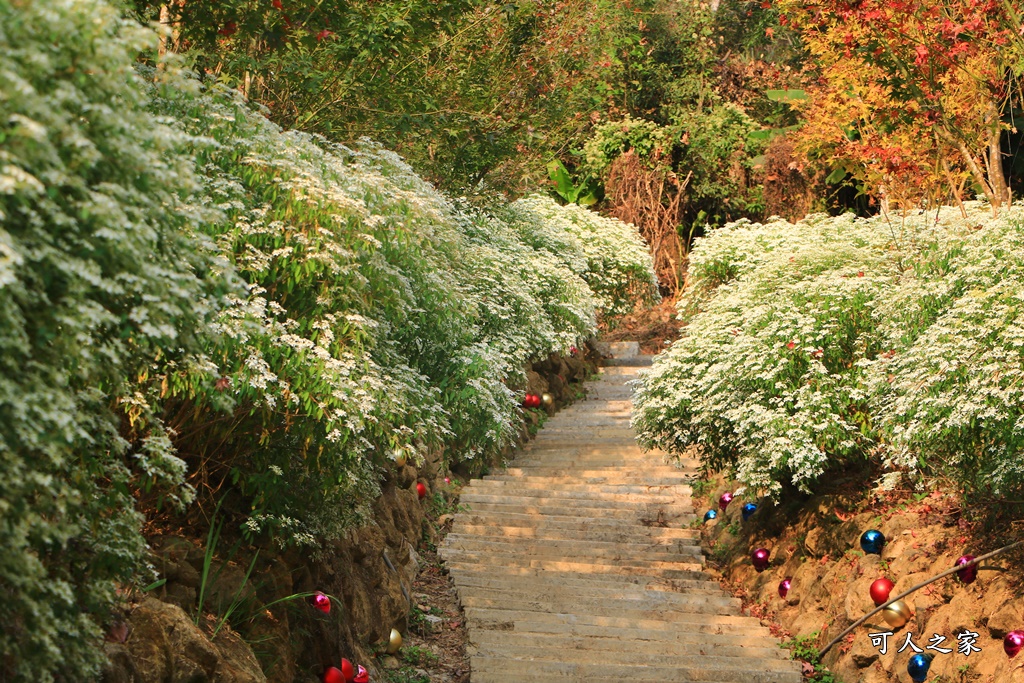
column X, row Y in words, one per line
column 576, row 564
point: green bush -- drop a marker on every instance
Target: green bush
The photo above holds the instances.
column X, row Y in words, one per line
column 101, row 282
column 814, row 345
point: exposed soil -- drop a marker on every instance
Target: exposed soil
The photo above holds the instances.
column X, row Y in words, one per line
column 434, row 651
column 653, row 327
column 814, row 541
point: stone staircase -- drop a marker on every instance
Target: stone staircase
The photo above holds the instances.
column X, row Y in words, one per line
column 576, row 563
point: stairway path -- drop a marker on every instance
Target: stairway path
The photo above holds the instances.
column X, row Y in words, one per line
column 577, row 563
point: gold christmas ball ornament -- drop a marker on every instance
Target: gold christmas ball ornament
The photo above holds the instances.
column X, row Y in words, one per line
column 395, row 642
column 400, row 459
column 897, row 614
column 547, row 399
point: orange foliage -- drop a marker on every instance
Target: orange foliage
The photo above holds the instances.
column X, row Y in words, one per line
column 908, row 95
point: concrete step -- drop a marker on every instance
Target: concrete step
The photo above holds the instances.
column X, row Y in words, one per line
column 627, row 535
column 613, row 602
column 578, row 499
column 644, row 529
column 574, row 548
column 594, row 475
column 591, row 624
column 653, row 642
column 550, row 522
column 522, row 484
column 582, row 583
column 497, row 670
column 653, row 512
column 671, row 570
column 666, row 657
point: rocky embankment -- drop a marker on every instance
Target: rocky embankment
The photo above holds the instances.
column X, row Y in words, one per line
column 370, row 573
column 815, row 543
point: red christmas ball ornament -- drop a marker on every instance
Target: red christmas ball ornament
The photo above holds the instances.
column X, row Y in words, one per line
column 880, row 590
column 760, row 559
column 348, row 669
column 573, row 350
column 784, row 587
column 535, row 401
column 724, row 501
column 321, row 602
column 334, row 675
column 1013, row 643
column 967, row 574
column 447, row 480
column 421, row 490
column 362, row 676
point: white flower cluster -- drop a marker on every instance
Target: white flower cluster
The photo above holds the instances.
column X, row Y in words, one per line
column 813, row 344
column 382, row 315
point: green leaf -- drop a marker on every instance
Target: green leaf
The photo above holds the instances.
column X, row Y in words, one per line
column 563, row 183
column 835, row 176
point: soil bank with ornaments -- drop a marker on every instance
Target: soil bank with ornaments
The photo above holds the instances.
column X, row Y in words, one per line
column 815, row 544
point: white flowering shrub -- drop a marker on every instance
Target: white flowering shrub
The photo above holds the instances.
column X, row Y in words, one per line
column 101, row 282
column 382, row 317
column 949, row 391
column 813, row 344
column 608, row 254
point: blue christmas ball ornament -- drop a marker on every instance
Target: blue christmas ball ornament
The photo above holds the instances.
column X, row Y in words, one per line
column 918, row 667
column 709, row 515
column 748, row 510
column 872, row 541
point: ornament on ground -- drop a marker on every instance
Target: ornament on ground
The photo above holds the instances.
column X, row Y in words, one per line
column 784, row 587
column 967, row 574
column 897, row 614
column 547, row 399
column 918, row 667
column 747, row 511
column 710, row 515
column 394, row 642
column 880, row 591
column 872, row 541
column 421, row 490
column 362, row 676
column 760, row 559
column 334, row 675
column 348, row 670
column 724, row 501
column 321, row 602
column 1013, row 643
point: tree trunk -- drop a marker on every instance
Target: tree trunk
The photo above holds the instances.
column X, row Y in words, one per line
column 996, row 177
column 974, row 166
